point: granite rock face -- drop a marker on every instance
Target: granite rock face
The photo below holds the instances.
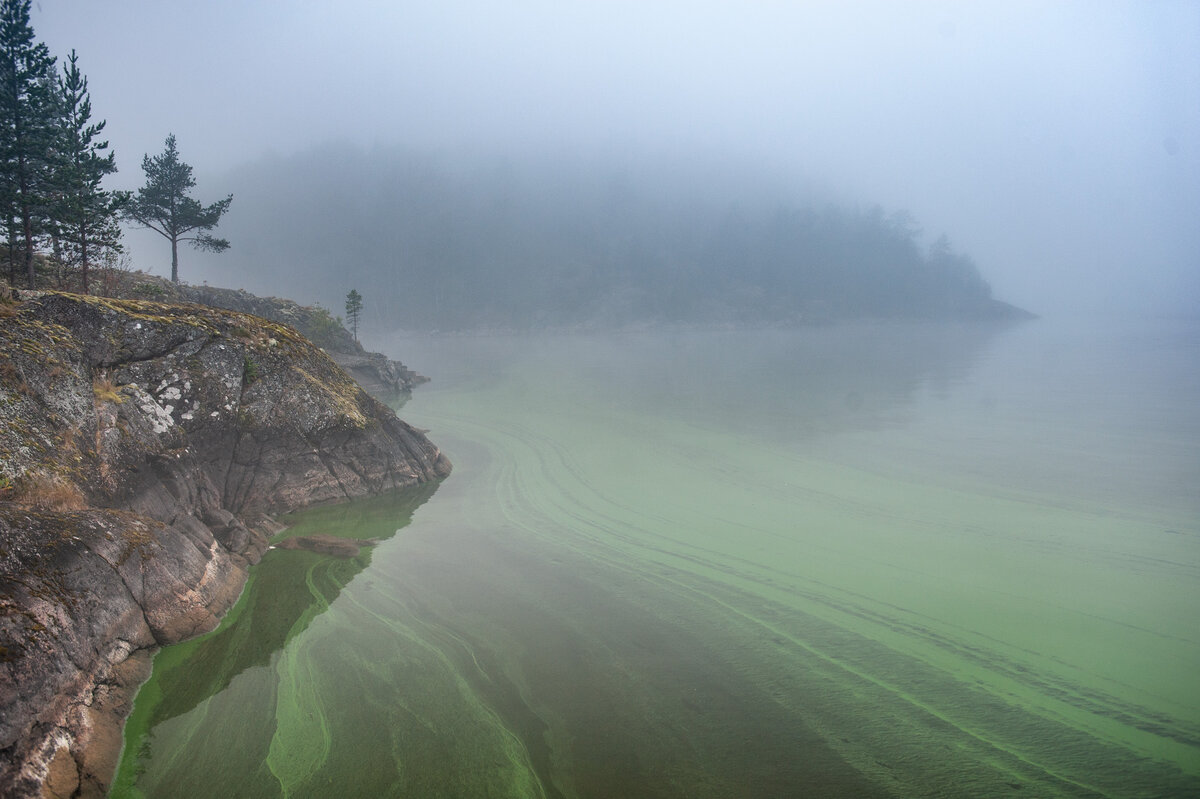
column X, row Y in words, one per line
column 143, row 450
column 376, row 372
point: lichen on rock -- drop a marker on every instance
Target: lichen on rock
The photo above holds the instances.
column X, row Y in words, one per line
column 374, row 371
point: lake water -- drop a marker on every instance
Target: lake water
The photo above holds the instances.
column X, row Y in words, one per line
column 859, row 560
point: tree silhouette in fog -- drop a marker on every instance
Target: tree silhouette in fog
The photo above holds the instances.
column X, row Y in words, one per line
column 164, row 206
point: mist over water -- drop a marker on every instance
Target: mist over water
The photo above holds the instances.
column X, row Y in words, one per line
column 893, row 560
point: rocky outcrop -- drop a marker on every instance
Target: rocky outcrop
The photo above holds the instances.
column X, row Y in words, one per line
column 143, row 449
column 376, row 372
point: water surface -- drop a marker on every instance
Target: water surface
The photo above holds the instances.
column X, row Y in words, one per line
column 861, row 560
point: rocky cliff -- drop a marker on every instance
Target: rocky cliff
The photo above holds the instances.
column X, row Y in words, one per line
column 143, row 449
column 376, row 372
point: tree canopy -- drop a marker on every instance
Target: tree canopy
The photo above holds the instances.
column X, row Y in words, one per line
column 354, row 306
column 28, row 113
column 459, row 245
column 52, row 160
column 163, row 205
column 86, row 213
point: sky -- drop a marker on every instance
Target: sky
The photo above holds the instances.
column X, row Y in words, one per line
column 1057, row 143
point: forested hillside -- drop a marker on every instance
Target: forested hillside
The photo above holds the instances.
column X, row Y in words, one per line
column 436, row 244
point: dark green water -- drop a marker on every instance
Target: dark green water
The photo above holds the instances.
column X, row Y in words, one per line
column 855, row 561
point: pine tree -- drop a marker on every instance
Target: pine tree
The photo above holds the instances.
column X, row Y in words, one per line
column 163, row 205
column 354, row 306
column 28, row 113
column 86, row 214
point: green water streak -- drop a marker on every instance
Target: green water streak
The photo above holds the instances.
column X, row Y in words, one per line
column 851, row 586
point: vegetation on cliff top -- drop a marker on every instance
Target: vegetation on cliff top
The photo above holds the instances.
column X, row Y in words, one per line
column 52, row 164
column 163, row 205
column 52, row 160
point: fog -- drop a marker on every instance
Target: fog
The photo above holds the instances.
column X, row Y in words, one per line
column 690, row 547
column 1058, row 144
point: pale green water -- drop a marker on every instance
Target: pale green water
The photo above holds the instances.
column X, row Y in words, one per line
column 852, row 561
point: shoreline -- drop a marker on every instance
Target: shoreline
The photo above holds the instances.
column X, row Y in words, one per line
column 145, row 450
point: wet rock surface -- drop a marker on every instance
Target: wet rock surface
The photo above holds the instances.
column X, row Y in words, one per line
column 143, row 450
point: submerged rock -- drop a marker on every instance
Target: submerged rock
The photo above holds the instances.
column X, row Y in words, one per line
column 143, row 450
column 327, row 544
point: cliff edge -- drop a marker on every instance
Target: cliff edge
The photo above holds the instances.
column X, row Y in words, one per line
column 143, row 450
column 374, row 371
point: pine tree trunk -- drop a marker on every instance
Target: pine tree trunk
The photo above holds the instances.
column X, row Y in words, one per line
column 28, row 226
column 83, row 257
column 26, row 218
column 174, row 260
